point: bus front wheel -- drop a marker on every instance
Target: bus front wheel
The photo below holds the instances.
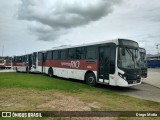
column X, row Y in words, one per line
column 91, row 79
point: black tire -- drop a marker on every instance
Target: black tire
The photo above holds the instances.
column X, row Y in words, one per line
column 91, row 79
column 50, row 72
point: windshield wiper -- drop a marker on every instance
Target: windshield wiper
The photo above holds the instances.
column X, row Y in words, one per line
column 130, row 53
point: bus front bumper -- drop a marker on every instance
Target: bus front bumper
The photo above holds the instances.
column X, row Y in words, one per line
column 124, row 83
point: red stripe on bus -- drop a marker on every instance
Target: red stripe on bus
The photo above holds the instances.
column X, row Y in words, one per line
column 71, row 64
column 20, row 64
column 8, row 64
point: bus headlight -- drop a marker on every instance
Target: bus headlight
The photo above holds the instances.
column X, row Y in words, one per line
column 122, row 76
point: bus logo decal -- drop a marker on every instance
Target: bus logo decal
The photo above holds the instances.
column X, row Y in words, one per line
column 75, row 64
column 72, row 64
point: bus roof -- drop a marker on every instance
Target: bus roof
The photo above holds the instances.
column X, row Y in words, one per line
column 116, row 41
column 142, row 50
column 81, row 45
column 87, row 44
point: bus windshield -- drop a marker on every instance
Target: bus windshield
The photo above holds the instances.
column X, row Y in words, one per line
column 1, row 61
column 143, row 59
column 128, row 58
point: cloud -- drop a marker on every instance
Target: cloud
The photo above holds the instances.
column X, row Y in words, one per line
column 44, row 32
column 146, row 10
column 49, row 19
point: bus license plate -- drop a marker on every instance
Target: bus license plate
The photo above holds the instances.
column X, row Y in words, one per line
column 134, row 82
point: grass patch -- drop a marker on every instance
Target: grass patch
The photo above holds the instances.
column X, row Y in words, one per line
column 41, row 82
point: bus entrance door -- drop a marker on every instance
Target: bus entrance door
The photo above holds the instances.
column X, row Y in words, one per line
column 30, row 62
column 43, row 62
column 104, row 53
column 34, row 60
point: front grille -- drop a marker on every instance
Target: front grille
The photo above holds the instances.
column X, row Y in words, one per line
column 134, row 81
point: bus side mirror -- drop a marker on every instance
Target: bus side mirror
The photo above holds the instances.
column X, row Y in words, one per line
column 123, row 52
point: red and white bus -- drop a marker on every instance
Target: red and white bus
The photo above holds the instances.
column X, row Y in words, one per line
column 5, row 62
column 2, row 63
column 25, row 63
column 143, row 62
column 114, row 62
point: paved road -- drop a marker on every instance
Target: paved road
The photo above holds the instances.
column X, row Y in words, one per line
column 153, row 77
column 143, row 91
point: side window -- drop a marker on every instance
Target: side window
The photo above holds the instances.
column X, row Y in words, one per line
column 80, row 53
column 55, row 55
column 23, row 58
column 63, row 54
column 49, row 55
column 19, row 59
column 39, row 56
column 14, row 59
column 72, row 54
column 91, row 52
column 44, row 56
column 27, row 58
column 34, row 58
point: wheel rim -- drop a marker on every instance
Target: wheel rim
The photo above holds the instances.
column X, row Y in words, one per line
column 91, row 79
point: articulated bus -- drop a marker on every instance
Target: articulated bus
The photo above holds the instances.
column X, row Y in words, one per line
column 5, row 62
column 143, row 62
column 115, row 62
column 25, row 63
column 2, row 63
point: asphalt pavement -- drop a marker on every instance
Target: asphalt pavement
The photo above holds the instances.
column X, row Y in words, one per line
column 153, row 77
column 143, row 91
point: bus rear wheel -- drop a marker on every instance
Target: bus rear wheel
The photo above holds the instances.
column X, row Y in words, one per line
column 91, row 79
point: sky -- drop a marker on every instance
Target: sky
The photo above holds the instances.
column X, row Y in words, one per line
column 34, row 25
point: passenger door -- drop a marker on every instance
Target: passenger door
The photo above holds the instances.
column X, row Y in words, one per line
column 30, row 61
column 34, row 60
column 104, row 62
column 43, row 62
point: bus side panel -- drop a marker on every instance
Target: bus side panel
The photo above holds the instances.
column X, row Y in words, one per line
column 71, row 64
column 75, row 69
column 70, row 73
